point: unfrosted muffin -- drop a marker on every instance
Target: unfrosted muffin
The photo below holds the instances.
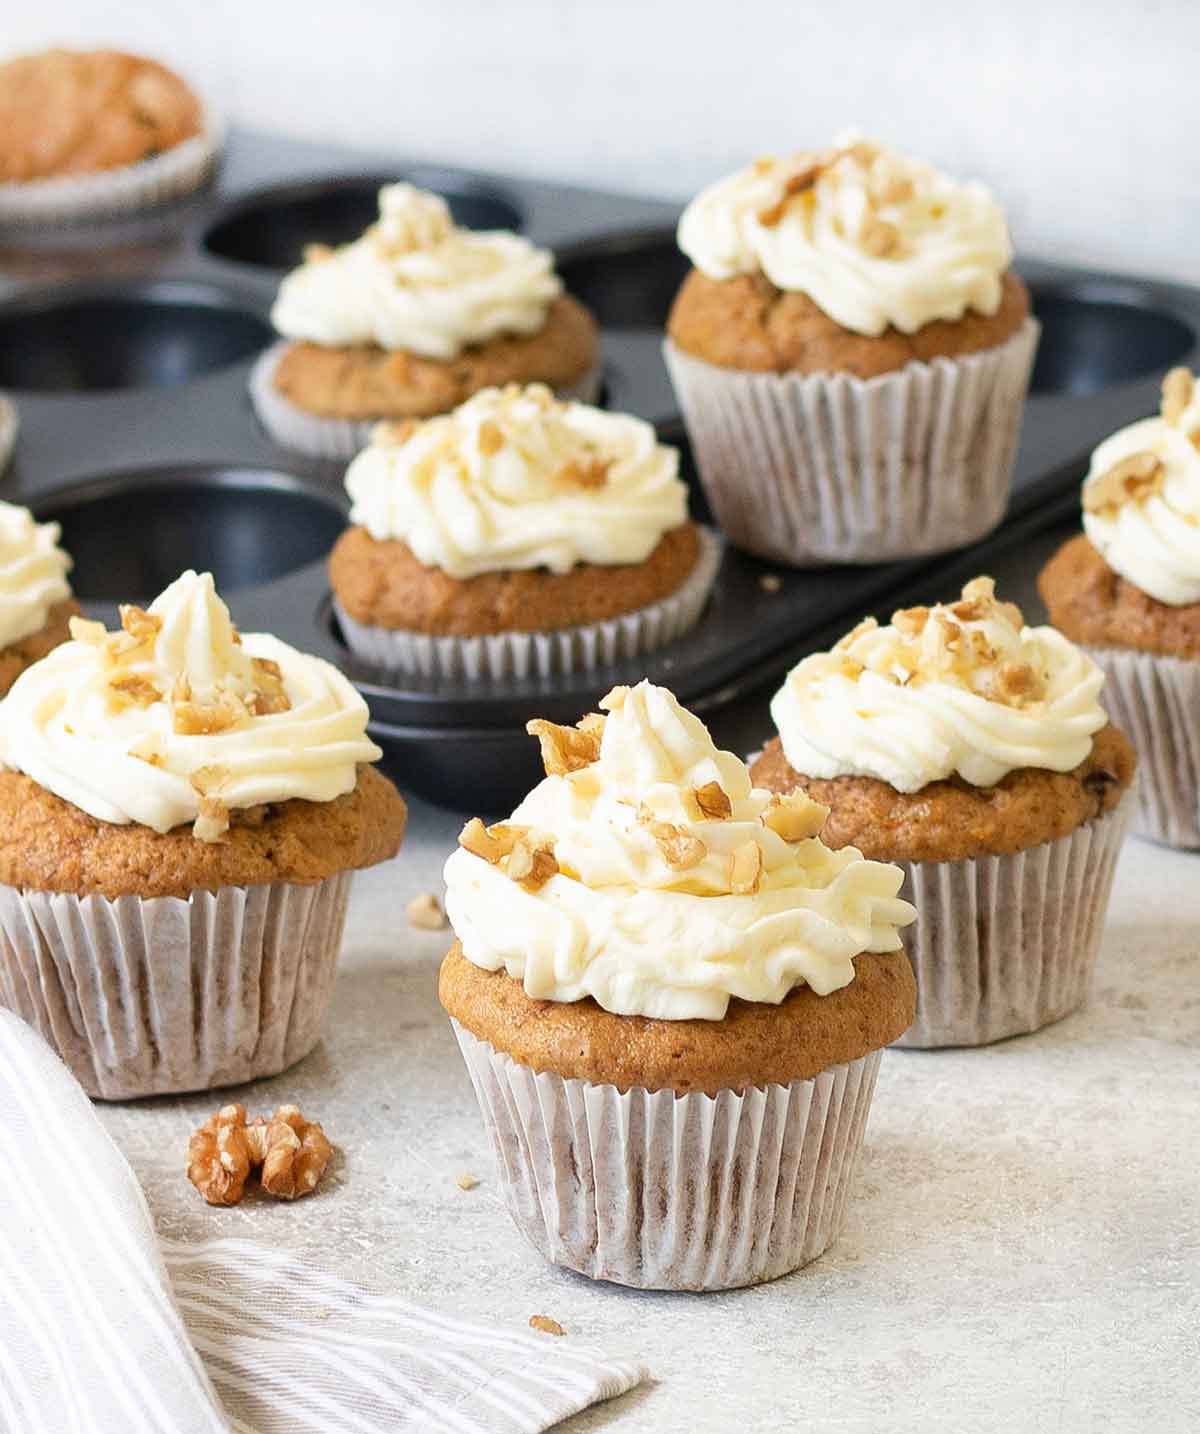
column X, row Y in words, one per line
column 1129, row 589
column 851, row 352
column 36, row 605
column 181, row 812
column 410, row 321
column 974, row 751
column 517, row 534
column 671, row 997
column 84, row 132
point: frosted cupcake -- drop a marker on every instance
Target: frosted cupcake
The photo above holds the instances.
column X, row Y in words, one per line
column 181, row 812
column 410, row 321
column 86, row 134
column 517, row 535
column 1129, row 588
column 973, row 751
column 671, row 997
column 36, row 605
column 851, row 352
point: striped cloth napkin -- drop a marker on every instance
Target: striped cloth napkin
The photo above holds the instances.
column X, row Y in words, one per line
column 102, row 1328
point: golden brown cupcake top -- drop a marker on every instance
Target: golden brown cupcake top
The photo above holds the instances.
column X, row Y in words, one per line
column 646, row 873
column 70, row 112
column 875, row 239
column 962, row 688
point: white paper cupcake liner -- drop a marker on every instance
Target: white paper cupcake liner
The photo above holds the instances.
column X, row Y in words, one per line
column 828, row 468
column 541, row 654
column 111, row 193
column 8, row 430
column 160, row 995
column 687, row 1192
column 1003, row 945
column 1155, row 701
column 291, row 427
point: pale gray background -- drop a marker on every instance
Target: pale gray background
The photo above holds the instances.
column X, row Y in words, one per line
column 1080, row 112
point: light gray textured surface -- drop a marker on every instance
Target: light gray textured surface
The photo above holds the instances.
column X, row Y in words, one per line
column 1022, row 1251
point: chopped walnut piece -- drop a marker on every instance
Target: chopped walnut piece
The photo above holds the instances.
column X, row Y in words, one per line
column 910, row 621
column 213, row 821
column 770, row 582
column 896, row 190
column 532, row 864
column 210, row 779
column 84, row 629
column 140, row 624
column 878, row 238
column 425, row 912
column 1129, row 481
column 713, row 801
column 797, row 182
column 564, row 749
column 545, row 1324
column 219, row 1158
column 795, row 817
column 593, row 724
column 1014, row 683
column 680, row 850
column 269, row 695
column 745, row 869
column 466, row 1181
column 491, row 438
column 492, row 843
column 205, row 719
column 1178, row 388
column 293, row 1152
column 592, row 473
column 134, row 691
column 868, row 624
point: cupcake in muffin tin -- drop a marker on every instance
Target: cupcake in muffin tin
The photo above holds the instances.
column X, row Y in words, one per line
column 1128, row 588
column 671, row 996
column 410, row 320
column 974, row 751
column 851, row 353
column 181, row 812
column 517, row 535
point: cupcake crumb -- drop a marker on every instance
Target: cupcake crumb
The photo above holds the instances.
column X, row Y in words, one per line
column 545, row 1324
column 425, row 911
column 770, row 582
column 466, row 1181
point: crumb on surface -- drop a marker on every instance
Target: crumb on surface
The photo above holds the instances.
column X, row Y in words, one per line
column 545, row 1324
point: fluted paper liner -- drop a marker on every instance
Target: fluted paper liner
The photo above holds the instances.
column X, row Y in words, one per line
column 541, row 654
column 1155, row 701
column 666, row 1191
column 292, row 427
column 1003, row 945
column 110, row 193
column 8, row 430
column 829, row 468
column 160, row 995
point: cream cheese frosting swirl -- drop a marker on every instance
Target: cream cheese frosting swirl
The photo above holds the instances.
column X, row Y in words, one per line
column 516, row 479
column 1141, row 497
column 33, row 573
column 961, row 689
column 417, row 282
column 647, row 873
column 178, row 719
column 872, row 237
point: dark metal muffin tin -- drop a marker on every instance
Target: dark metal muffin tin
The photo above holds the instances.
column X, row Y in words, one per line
column 127, row 347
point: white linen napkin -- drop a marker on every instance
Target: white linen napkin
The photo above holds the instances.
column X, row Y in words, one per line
column 102, row 1329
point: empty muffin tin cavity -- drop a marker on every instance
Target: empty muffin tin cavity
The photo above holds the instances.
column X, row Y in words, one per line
column 270, row 229
column 627, row 280
column 131, row 534
column 1098, row 335
column 122, row 336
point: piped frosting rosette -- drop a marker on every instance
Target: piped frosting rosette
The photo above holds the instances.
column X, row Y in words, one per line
column 33, row 573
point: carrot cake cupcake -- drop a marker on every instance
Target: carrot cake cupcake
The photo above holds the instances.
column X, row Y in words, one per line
column 84, row 133
column 851, row 352
column 411, row 320
column 181, row 812
column 35, row 597
column 973, row 751
column 519, row 534
column 1128, row 588
column 671, row 996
